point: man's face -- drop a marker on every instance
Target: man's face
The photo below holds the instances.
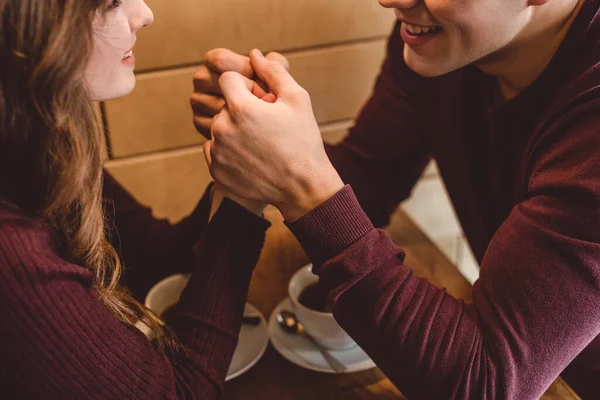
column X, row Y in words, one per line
column 442, row 36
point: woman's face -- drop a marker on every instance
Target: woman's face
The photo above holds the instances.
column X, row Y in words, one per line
column 442, row 36
column 109, row 73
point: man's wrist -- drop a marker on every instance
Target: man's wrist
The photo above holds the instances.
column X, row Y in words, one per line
column 310, row 193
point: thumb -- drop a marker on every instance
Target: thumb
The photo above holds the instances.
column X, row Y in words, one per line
column 237, row 88
column 273, row 73
column 267, row 95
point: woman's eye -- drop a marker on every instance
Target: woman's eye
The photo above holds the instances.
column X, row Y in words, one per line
column 114, row 4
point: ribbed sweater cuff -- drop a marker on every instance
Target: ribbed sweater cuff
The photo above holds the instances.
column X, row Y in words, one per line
column 226, row 257
column 331, row 227
column 202, row 210
column 216, row 293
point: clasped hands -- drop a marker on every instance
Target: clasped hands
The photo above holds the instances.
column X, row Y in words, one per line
column 264, row 145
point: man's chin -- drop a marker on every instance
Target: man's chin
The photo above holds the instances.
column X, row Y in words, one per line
column 427, row 68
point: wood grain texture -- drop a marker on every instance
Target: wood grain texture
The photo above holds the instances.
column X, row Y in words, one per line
column 184, row 30
column 172, row 182
column 157, row 115
column 339, row 79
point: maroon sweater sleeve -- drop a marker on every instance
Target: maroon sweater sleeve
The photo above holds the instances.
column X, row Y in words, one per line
column 58, row 341
column 150, row 248
column 365, row 160
column 535, row 307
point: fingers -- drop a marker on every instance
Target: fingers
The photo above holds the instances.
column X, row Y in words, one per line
column 206, row 107
column 269, row 98
column 281, row 59
column 216, row 62
column 219, row 61
column 207, row 99
column 224, row 60
column 260, row 89
column 206, row 104
column 203, row 125
column 206, row 81
column 237, row 88
column 275, row 57
column 274, row 75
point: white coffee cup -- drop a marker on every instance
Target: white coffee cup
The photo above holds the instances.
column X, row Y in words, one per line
column 321, row 325
column 162, row 296
column 165, row 293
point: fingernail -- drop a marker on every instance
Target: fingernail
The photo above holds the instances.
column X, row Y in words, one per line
column 259, row 53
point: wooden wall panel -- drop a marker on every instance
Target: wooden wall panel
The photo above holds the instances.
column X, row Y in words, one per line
column 157, row 114
column 171, row 183
column 184, row 30
column 339, row 79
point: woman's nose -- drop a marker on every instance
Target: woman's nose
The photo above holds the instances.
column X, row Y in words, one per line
column 142, row 17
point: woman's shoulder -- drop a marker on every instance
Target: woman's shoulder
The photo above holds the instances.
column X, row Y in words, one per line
column 27, row 251
column 15, row 224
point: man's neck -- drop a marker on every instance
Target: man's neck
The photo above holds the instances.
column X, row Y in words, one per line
column 519, row 64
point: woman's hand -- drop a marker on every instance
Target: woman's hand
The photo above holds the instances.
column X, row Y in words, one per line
column 219, row 193
column 207, row 99
column 270, row 152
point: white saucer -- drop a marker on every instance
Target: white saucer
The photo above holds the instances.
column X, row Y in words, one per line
column 252, row 344
column 303, row 353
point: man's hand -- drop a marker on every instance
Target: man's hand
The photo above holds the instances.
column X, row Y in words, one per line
column 207, row 99
column 270, row 152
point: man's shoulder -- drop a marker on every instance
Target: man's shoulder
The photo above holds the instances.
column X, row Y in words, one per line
column 578, row 66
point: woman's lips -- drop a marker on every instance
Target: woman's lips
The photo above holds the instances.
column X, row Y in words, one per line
column 129, row 58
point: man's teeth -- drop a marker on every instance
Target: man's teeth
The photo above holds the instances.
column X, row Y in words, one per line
column 129, row 54
column 421, row 30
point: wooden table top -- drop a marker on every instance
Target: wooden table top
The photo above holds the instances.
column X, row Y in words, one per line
column 273, row 377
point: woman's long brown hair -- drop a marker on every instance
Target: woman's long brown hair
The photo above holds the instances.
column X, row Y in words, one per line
column 50, row 140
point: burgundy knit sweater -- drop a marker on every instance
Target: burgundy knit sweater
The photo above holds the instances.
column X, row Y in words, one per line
column 524, row 178
column 525, row 181
column 57, row 341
